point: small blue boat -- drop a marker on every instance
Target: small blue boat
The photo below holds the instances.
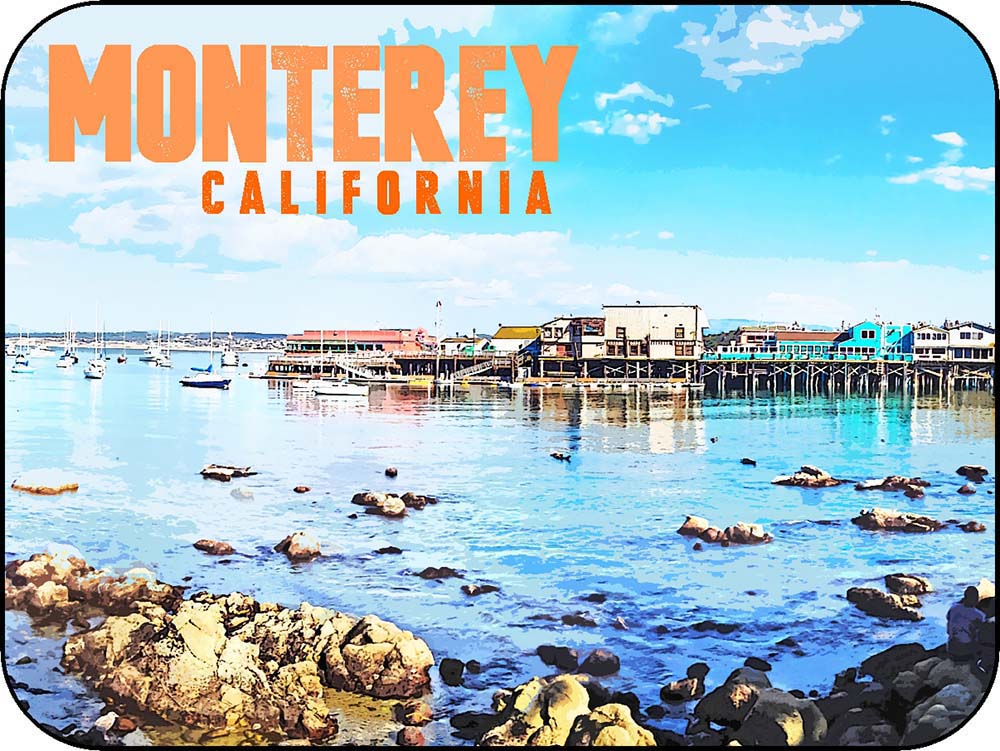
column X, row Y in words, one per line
column 203, row 378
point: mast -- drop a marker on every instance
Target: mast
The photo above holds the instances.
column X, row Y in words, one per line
column 437, row 341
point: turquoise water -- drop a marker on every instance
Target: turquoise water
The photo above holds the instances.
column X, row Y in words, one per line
column 548, row 533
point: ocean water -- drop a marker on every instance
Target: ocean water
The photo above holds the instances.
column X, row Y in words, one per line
column 548, row 533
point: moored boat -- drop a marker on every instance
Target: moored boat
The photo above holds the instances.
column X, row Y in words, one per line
column 204, row 378
column 21, row 365
column 341, row 388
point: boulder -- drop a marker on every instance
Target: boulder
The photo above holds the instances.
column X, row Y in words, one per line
column 779, row 719
column 474, row 590
column 299, row 546
column 986, row 589
column 413, row 712
column 410, row 736
column 415, row 501
column 564, row 658
column 730, row 703
column 301, row 489
column 940, row 714
column 225, row 472
column 541, row 712
column 214, row 547
column 974, row 472
column 578, row 619
column 389, row 550
column 882, row 605
column 913, row 487
column 392, row 507
column 887, row 664
column 379, row 659
column 907, row 584
column 712, row 534
column 438, row 572
column 881, row 519
column 972, row 526
column 609, row 725
column 600, row 662
column 391, row 471
column 947, row 672
column 967, row 489
column 46, row 482
column 451, row 671
column 757, row 664
column 808, row 476
column 693, row 526
column 683, row 690
column 746, row 534
column 748, row 462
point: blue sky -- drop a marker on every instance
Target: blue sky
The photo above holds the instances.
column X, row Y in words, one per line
column 785, row 163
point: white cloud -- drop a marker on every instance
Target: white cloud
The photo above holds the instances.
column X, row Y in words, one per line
column 887, row 119
column 639, row 127
column 702, row 107
column 630, row 92
column 984, row 257
column 871, row 253
column 665, row 235
column 630, row 235
column 623, row 293
column 951, row 156
column 594, row 127
column 25, row 96
column 914, row 159
column 953, row 177
column 745, row 41
column 951, row 138
column 613, row 29
column 13, row 258
column 833, row 159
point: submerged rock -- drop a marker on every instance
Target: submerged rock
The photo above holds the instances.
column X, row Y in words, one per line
column 748, row 462
column 391, row 471
column 884, row 605
column 975, row 472
column 967, row 489
column 972, row 526
column 225, row 472
column 809, row 476
column 882, row 519
column 299, row 546
column 414, row 712
column 301, row 489
column 913, row 487
column 389, row 550
column 600, row 662
column 907, row 584
column 740, row 533
column 438, row 572
column 243, row 494
column 693, row 526
column 474, row 590
column 578, row 619
column 564, row 658
column 214, row 547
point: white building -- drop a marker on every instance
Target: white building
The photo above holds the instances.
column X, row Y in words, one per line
column 655, row 332
column 574, row 337
column 970, row 342
column 511, row 339
column 930, row 343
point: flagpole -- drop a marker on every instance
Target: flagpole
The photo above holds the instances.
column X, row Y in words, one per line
column 437, row 343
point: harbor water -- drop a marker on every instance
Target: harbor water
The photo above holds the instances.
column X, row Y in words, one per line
column 548, row 533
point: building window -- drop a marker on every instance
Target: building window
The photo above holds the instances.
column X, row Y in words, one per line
column 679, row 332
column 965, row 335
column 620, row 332
column 867, row 333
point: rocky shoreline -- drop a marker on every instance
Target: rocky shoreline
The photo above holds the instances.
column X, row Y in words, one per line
column 230, row 664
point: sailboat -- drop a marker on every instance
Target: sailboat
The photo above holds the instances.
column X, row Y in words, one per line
column 68, row 358
column 204, row 378
column 21, row 362
column 164, row 360
column 96, row 368
column 123, row 358
column 230, row 357
column 153, row 351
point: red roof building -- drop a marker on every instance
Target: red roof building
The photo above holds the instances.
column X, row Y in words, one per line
column 392, row 341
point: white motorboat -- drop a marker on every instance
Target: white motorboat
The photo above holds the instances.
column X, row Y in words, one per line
column 152, row 353
column 41, row 351
column 306, row 384
column 10, row 349
column 341, row 388
column 66, row 360
column 230, row 357
column 21, row 365
column 95, row 370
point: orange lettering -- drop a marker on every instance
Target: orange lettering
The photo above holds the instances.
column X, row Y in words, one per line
column 252, row 198
column 210, row 178
column 349, row 102
column 351, row 190
column 234, row 104
column 427, row 185
column 388, row 192
column 538, row 195
column 300, row 62
column 544, row 83
column 287, row 207
column 470, row 191
column 475, row 102
column 150, row 68
column 409, row 112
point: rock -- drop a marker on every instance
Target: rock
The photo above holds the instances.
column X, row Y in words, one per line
column 473, row 666
column 225, row 472
column 881, row 605
column 301, row 489
column 299, row 546
column 757, row 664
column 907, row 584
column 746, row 534
column 564, row 658
column 882, row 519
column 609, row 725
column 474, row 590
column 578, row 619
column 697, row 546
column 105, row 722
column 698, row 670
column 693, row 526
column 214, row 547
column 619, row 624
column 438, row 572
column 986, row 589
column 560, row 456
column 124, row 725
column 808, row 477
column 46, row 597
column 413, row 712
column 682, row 690
column 540, row 712
column 777, row 718
column 788, row 641
column 974, row 472
column 655, row 712
column 938, row 715
column 748, row 462
column 243, row 494
column 391, row 507
column 23, row 660
column 410, row 736
column 881, row 735
column 913, row 487
column 414, row 501
column 887, row 664
column 722, row 628
column 388, row 504
column 972, row 526
column 713, row 534
column 391, row 471
column 948, row 673
column 389, row 550
column 967, row 489
column 451, row 671
column 907, row 685
column 600, row 662
column 730, row 703
column 45, row 482
column 596, row 597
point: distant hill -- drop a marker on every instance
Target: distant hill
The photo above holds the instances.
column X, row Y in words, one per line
column 719, row 325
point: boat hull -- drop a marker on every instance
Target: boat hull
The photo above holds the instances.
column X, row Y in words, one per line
column 222, row 383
